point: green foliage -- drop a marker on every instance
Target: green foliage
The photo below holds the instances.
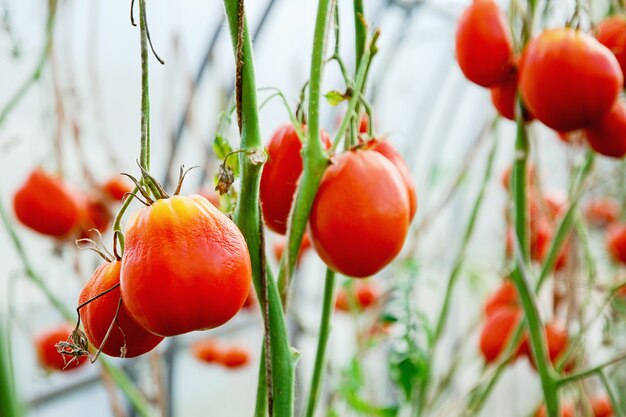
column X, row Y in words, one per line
column 335, row 97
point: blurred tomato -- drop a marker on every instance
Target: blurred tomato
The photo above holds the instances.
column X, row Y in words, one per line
column 47, row 353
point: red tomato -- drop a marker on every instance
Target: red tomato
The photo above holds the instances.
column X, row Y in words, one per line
column 127, row 338
column 611, row 33
column 366, row 294
column 556, row 339
column 207, row 350
column 574, row 137
column 95, row 214
column 556, row 201
column 616, row 241
column 601, row 211
column 498, row 329
column 47, row 353
column 503, row 97
column 116, row 187
column 601, row 406
column 186, row 266
column 280, row 176
column 608, row 135
column 566, row 411
column 210, row 194
column 360, row 216
column 364, row 123
column 387, row 150
column 235, row 357
column 279, row 247
column 46, row 205
column 504, row 296
column 568, row 79
column 484, row 48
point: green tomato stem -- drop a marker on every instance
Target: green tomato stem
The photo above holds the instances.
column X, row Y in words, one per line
column 9, row 405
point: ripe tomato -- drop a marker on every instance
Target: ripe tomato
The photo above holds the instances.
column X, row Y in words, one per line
column 616, row 241
column 210, row 194
column 207, row 350
column 364, row 123
column 94, row 214
column 484, row 48
column 498, row 329
column 279, row 247
column 280, row 176
column 186, row 266
column 574, row 137
column 387, row 150
column 503, row 97
column 601, row 211
column 611, row 33
column 504, row 296
column 366, row 294
column 116, row 187
column 566, row 411
column 608, row 135
column 360, row 216
column 235, row 357
column 47, row 354
column 556, row 339
column 568, row 79
column 127, row 338
column 45, row 204
column 601, row 406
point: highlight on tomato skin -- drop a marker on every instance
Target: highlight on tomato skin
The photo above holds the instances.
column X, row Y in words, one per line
column 568, row 80
column 32, row 207
column 165, row 292
column 484, row 48
column 127, row 338
column 48, row 356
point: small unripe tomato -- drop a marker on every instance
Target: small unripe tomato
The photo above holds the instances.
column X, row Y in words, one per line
column 608, row 135
column 484, row 48
column 387, row 150
column 46, row 205
column 116, row 187
column 601, row 406
column 568, row 80
column 47, row 354
column 498, row 329
column 505, row 296
column 611, row 32
column 616, row 241
column 186, row 266
column 601, row 211
column 127, row 338
column 504, row 98
column 566, row 411
column 207, row 350
column 235, row 357
column 280, row 176
column 360, row 215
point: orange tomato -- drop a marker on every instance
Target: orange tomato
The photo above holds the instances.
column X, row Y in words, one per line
column 116, row 187
column 505, row 296
column 47, row 354
column 360, row 216
column 601, row 406
column 568, row 80
column 235, row 357
column 279, row 247
column 186, row 266
column 608, row 135
column 207, row 350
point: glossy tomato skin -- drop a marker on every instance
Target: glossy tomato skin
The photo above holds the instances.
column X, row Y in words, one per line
column 611, row 33
column 46, row 205
column 608, row 136
column 48, row 356
column 498, row 329
column 616, row 241
column 504, row 296
column 360, row 216
column 281, row 174
column 504, row 98
column 98, row 315
column 387, row 150
column 116, row 187
column 568, row 80
column 601, row 211
column 186, row 266
column 484, row 49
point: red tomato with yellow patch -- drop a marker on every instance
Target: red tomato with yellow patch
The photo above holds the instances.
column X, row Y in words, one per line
column 601, row 406
column 387, row 150
column 616, row 241
column 568, row 80
column 186, row 266
column 611, row 32
column 116, row 187
column 45, row 204
column 281, row 174
column 47, row 354
column 361, row 213
column 505, row 296
column 504, row 98
column 608, row 135
column 484, row 49
column 498, row 329
column 128, row 338
column 601, row 211
column 235, row 357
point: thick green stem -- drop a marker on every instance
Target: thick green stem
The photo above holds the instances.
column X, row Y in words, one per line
column 133, row 395
column 41, row 62
column 322, row 343
column 247, row 218
column 360, row 31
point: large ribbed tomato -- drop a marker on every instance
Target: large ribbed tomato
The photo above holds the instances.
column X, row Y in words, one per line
column 281, row 174
column 387, row 150
column 608, row 135
column 45, row 204
column 568, row 79
column 98, row 315
column 611, row 33
column 47, row 354
column 361, row 213
column 186, row 266
column 484, row 48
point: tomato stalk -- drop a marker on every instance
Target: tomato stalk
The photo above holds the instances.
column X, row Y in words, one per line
column 134, row 396
column 322, row 342
column 9, row 406
column 41, row 62
column 248, row 219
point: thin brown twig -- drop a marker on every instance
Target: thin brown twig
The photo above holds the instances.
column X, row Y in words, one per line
column 239, row 65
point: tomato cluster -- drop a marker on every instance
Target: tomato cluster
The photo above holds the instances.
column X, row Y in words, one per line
column 566, row 78
column 212, row 351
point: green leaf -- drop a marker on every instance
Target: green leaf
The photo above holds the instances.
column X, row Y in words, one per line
column 222, row 149
column 334, row 97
